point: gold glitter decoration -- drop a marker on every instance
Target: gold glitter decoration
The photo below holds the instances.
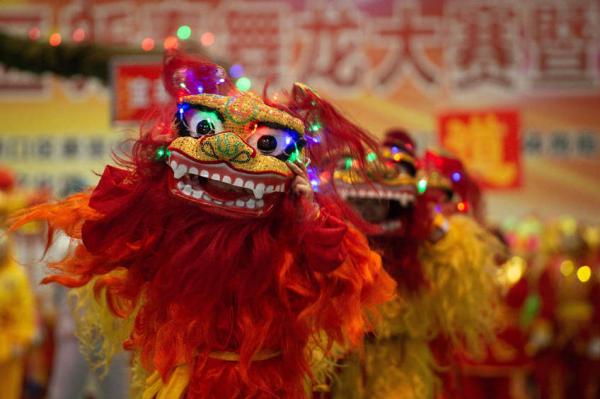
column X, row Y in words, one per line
column 240, row 114
column 242, row 109
column 229, row 148
column 377, row 172
column 400, row 156
column 436, row 180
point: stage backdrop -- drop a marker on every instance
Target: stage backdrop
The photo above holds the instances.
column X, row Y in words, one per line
column 513, row 87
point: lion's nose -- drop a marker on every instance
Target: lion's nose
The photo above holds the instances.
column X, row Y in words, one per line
column 226, row 147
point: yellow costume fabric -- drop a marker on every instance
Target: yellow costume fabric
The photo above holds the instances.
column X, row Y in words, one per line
column 460, row 304
column 17, row 327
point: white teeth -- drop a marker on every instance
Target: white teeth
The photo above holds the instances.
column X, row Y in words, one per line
column 197, row 194
column 238, row 182
column 206, row 198
column 173, row 165
column 229, row 203
column 187, row 190
column 216, row 177
column 250, row 203
column 282, row 187
column 218, row 202
column 180, row 186
column 260, row 203
column 240, row 203
column 403, row 199
column 269, row 189
column 259, row 190
column 249, row 185
column 180, row 171
column 226, row 179
column 204, row 173
column 193, row 171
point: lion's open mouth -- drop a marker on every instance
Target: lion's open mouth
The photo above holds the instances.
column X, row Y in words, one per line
column 379, row 205
column 404, row 196
column 221, row 186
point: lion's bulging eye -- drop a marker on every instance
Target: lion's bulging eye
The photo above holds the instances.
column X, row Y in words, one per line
column 279, row 143
column 267, row 144
column 198, row 122
column 204, row 127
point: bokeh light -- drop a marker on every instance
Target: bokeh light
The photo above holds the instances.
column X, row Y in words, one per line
column 236, row 71
column 243, row 84
column 567, row 267
column 55, row 39
column 171, row 43
column 78, row 35
column 148, row 44
column 184, row 32
column 584, row 273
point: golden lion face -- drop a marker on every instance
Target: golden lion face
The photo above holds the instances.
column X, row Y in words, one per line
column 231, row 153
column 381, row 193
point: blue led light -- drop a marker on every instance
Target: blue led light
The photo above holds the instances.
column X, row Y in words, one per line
column 456, row 177
column 236, row 71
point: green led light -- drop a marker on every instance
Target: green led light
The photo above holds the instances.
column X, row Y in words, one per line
column 294, row 156
column 422, row 186
column 371, row 157
column 348, row 163
column 315, row 127
column 162, row 153
column 184, row 32
column 243, row 84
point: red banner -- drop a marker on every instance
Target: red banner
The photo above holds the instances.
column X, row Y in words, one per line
column 137, row 88
column 488, row 142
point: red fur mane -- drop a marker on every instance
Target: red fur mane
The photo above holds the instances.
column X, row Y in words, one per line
column 208, row 283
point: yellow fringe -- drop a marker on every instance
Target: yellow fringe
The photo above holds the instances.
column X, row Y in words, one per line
column 395, row 368
column 464, row 298
column 462, row 303
column 101, row 334
column 174, row 388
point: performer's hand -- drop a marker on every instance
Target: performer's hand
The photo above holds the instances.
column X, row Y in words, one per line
column 301, row 183
column 303, row 190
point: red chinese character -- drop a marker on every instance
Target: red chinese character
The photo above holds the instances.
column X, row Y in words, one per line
column 255, row 40
column 483, row 48
column 563, row 45
column 333, row 47
column 406, row 36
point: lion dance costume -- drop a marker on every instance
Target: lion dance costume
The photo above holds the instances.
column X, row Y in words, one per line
column 17, row 316
column 218, row 277
column 439, row 259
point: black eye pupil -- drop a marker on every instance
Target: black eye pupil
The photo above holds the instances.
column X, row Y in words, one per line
column 267, row 143
column 205, row 127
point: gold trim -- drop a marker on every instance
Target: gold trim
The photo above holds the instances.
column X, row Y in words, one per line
column 235, row 357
